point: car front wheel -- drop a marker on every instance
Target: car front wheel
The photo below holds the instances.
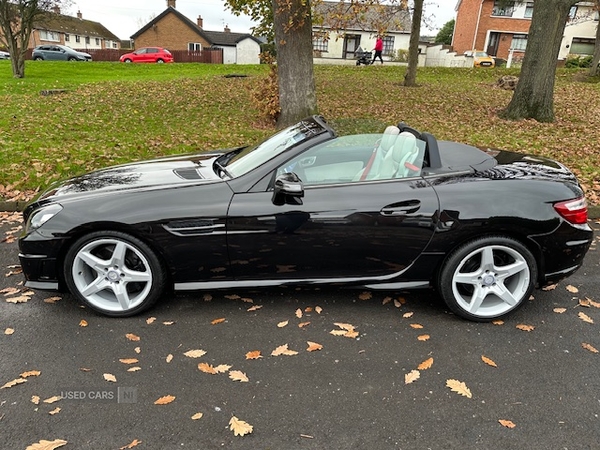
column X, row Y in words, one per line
column 159, row 61
column 487, row 278
column 114, row 273
column 127, row 60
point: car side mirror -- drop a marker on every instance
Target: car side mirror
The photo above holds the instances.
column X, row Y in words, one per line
column 288, row 189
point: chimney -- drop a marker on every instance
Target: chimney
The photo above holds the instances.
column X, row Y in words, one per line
column 227, row 30
column 56, row 9
column 171, row 4
column 200, row 21
column 79, row 15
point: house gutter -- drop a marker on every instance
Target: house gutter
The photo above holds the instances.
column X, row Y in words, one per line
column 477, row 26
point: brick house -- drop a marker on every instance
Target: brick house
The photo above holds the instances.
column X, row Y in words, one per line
column 487, row 25
column 76, row 32
column 172, row 30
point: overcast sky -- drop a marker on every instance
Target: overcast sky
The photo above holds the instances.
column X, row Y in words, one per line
column 125, row 17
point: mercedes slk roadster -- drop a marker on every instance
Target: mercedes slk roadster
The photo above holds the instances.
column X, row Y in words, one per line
column 395, row 210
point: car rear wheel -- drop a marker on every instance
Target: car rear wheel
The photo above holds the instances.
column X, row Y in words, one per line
column 487, row 278
column 38, row 58
column 114, row 273
column 159, row 61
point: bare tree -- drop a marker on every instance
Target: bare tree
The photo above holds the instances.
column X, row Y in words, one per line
column 410, row 77
column 17, row 20
column 594, row 69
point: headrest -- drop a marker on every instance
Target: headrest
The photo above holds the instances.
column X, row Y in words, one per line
column 389, row 137
column 406, row 143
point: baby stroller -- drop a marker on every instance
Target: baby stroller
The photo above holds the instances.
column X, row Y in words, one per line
column 363, row 57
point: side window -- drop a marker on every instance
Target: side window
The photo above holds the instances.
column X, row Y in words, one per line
column 152, row 50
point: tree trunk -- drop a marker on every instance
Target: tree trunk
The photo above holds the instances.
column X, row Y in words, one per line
column 534, row 94
column 410, row 77
column 594, row 71
column 297, row 97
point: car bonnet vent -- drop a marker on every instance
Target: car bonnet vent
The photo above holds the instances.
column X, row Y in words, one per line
column 188, row 174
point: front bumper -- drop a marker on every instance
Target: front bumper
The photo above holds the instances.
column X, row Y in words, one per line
column 40, row 271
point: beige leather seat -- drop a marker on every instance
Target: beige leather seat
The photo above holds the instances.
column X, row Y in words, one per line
column 387, row 142
column 405, row 150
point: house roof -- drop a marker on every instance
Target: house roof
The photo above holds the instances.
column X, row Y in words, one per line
column 72, row 25
column 354, row 16
column 212, row 37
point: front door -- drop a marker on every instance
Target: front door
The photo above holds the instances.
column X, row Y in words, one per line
column 492, row 48
column 351, row 44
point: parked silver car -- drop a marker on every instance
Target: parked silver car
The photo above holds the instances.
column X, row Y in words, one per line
column 4, row 55
column 58, row 53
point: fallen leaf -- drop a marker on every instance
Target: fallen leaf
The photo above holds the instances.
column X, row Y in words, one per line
column 416, row 326
column 550, row 287
column 338, row 332
column 423, row 337
column 52, row 299
column 13, row 383
column 308, row 309
column 585, row 303
column 303, row 324
column 195, row 353
column 425, row 364
column 593, row 303
column 408, row 315
column 168, row 322
column 352, row 334
column 9, row 331
column 31, row 373
column 165, row 400
column 218, row 321
column 132, row 337
column 233, row 297
column 132, row 444
column 282, row 324
column 313, row 346
column 54, row 399
column 299, row 313
column 559, row 310
column 585, row 317
column 237, row 375
column 488, row 361
column 344, row 326
column 169, row 358
column 20, row 299
column 397, row 303
column 524, row 327
column 54, row 411
column 318, row 309
column 110, row 377
column 253, row 355
column 589, row 347
column 222, row 368
column 150, row 320
column 239, row 427
column 572, row 289
column 365, row 296
column 283, row 350
column 129, row 360
column 386, row 300
column 207, row 297
column 137, row 350
column 459, row 387
column 498, row 322
column 207, row 368
column 254, row 308
column 83, row 323
column 47, row 445
column 35, row 399
column 412, row 376
column 507, row 423
column 197, row 416
column 134, row 369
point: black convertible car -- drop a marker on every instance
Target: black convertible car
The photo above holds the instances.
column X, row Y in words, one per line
column 396, row 210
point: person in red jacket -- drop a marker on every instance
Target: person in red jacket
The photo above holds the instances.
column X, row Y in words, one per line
column 378, row 49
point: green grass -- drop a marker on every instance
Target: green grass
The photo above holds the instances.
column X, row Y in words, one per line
column 113, row 113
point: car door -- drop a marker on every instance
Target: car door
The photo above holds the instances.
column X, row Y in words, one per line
column 341, row 228
column 56, row 53
column 151, row 55
column 139, row 55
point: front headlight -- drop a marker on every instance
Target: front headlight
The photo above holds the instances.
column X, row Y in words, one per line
column 43, row 215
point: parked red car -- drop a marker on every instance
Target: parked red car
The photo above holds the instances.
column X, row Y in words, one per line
column 148, row 55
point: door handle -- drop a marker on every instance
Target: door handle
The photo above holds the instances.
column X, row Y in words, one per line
column 401, row 209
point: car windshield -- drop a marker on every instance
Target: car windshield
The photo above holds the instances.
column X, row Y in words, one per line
column 481, row 54
column 253, row 157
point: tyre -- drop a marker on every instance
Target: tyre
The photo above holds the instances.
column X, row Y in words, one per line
column 487, row 278
column 38, row 58
column 114, row 273
column 128, row 60
column 72, row 58
column 159, row 61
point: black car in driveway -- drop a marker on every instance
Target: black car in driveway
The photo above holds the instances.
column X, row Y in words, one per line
column 395, row 210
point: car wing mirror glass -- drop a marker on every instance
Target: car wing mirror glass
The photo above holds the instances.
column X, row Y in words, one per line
column 288, row 189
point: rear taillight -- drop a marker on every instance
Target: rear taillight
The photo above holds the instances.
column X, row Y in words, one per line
column 573, row 211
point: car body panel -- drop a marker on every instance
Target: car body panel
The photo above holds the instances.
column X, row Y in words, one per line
column 148, row 55
column 54, row 52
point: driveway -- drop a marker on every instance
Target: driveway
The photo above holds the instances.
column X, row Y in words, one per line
column 379, row 381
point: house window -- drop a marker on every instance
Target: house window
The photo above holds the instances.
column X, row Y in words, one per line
column 388, row 45
column 114, row 45
column 87, row 39
column 67, row 37
column 529, row 10
column 97, row 41
column 77, row 38
column 194, row 47
column 46, row 35
column 572, row 12
column 320, row 44
column 582, row 46
column 504, row 9
column 519, row 42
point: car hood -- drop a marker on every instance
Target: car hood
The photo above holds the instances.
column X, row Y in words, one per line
column 153, row 174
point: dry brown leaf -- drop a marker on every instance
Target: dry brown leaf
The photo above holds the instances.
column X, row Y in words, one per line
column 423, row 337
column 254, row 308
column 308, row 309
column 498, row 322
column 593, row 303
column 85, row 369
column 585, row 303
column 365, row 296
column 134, row 369
column 585, row 317
column 282, row 324
column 525, row 327
column 459, row 387
column 35, row 399
column 408, row 315
column 572, row 289
column 52, row 299
column 338, row 332
column 54, row 399
column 412, row 376
column 207, row 368
column 132, row 444
column 197, row 416
column 129, row 360
column 83, row 323
column 238, row 375
column 253, row 355
column 352, row 334
column 168, row 322
column 550, row 287
column 589, row 347
column 9, row 331
column 247, row 300
column 207, row 297
column 218, row 321
column 132, row 337
column 313, row 346
column 416, row 326
column 31, row 373
column 150, row 320
column 137, row 350
column 299, row 313
column 9, row 291
column 54, row 411
column 19, row 299
column 110, row 377
column 13, row 383
column 559, row 310
column 169, row 358
column 165, row 400
column 239, row 427
column 397, row 303
column 506, row 423
column 318, row 309
column 386, row 300
column 195, row 353
column 426, row 364
column 283, row 350
column 344, row 326
column 233, row 297
column 47, row 445
column 488, row 361
column 303, row 324
column 222, row 368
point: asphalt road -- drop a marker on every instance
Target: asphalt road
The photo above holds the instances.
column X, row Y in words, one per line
column 351, row 394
